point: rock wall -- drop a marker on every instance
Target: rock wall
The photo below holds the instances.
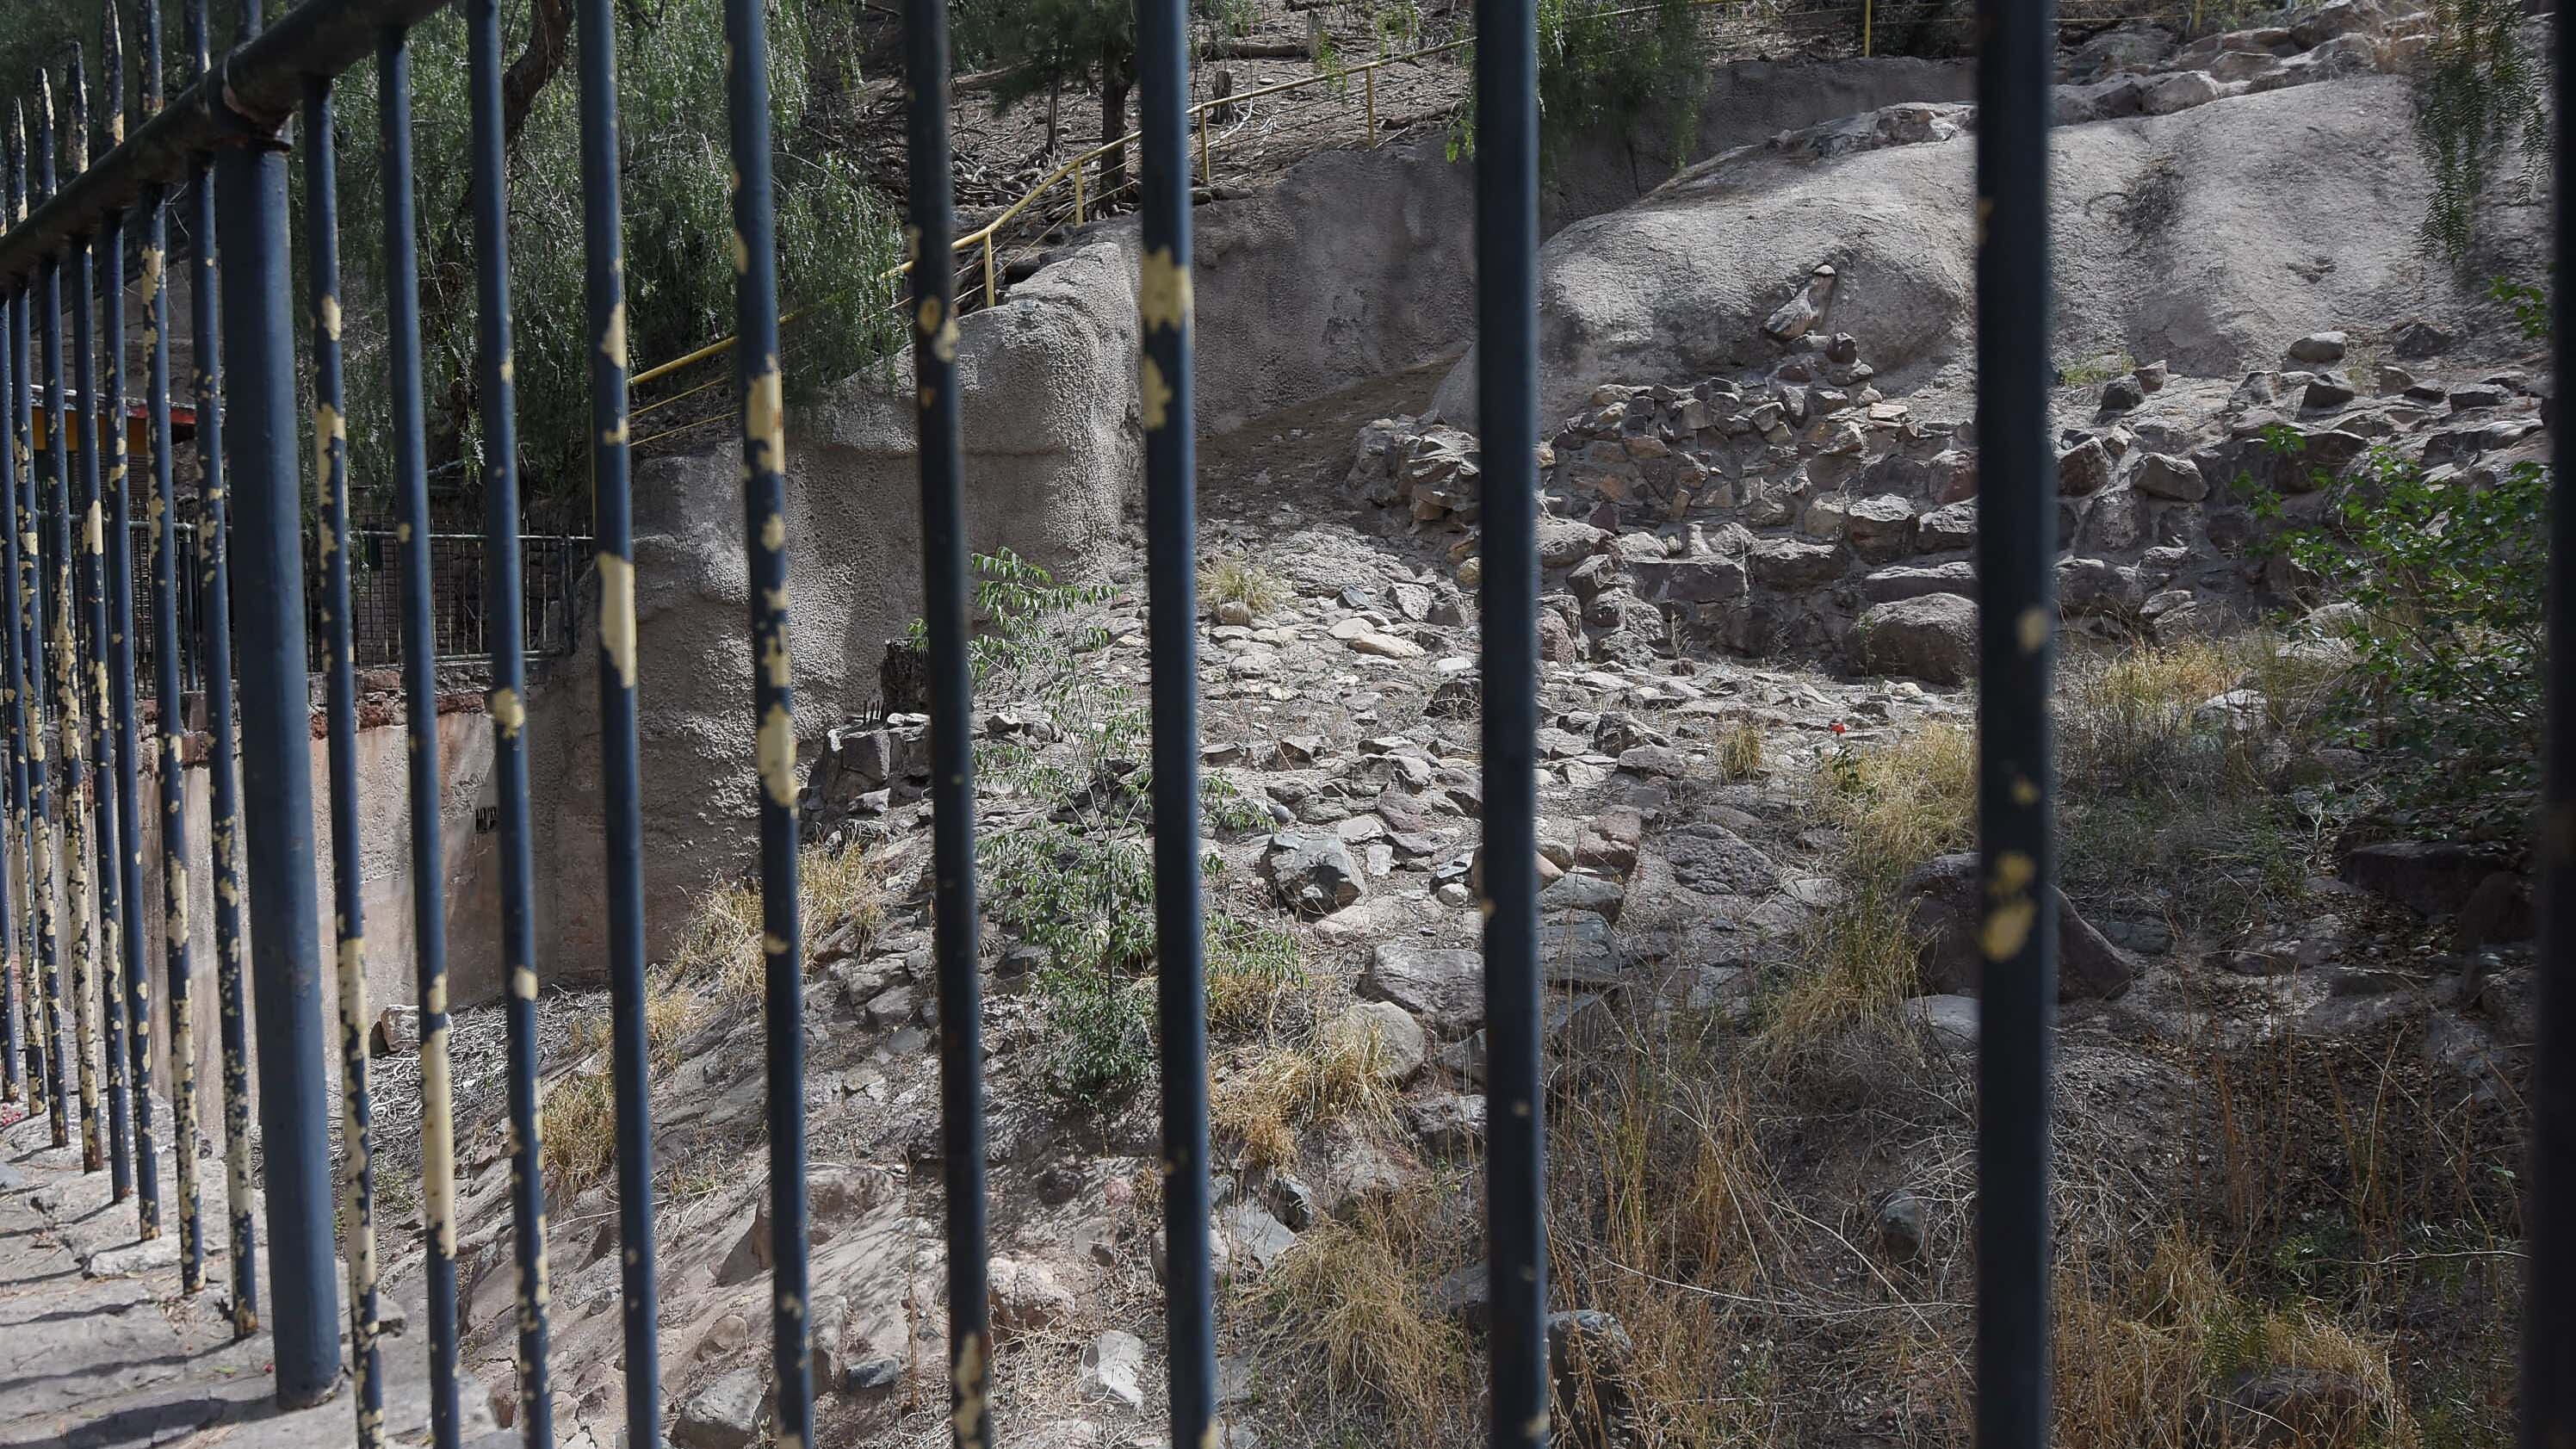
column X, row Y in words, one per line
column 2201, row 216
column 1362, row 263
column 1358, row 264
column 1052, row 463
column 1795, row 510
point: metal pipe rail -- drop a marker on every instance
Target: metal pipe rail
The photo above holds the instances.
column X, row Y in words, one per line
column 219, row 141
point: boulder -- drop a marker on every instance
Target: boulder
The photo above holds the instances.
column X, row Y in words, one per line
column 2083, row 469
column 1382, row 1034
column 1952, row 525
column 1690, row 580
column 2163, row 475
column 1794, row 565
column 1113, row 1368
column 1708, row 857
column 2322, row 349
column 1314, row 872
column 1932, row 637
column 2313, row 1408
column 1027, row 1295
column 1949, row 1020
column 1947, row 900
column 726, row 1414
column 2432, row 878
column 1589, row 1359
column 1880, row 527
column 1444, row 988
column 1888, row 585
column 2180, row 93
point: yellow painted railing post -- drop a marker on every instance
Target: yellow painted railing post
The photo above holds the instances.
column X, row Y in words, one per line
column 1207, row 176
column 1077, row 193
column 1865, row 18
column 991, row 289
column 1372, row 105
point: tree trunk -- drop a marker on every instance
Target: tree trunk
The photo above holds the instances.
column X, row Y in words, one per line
column 1113, row 124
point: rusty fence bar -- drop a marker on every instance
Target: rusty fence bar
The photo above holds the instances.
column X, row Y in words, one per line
column 214, row 651
column 118, row 694
column 620, row 751
column 339, row 672
column 64, row 667
column 764, row 502
column 420, row 695
column 944, row 612
column 97, row 945
column 261, row 447
column 31, row 607
column 177, row 959
column 18, row 1073
column 1507, row 410
column 503, row 585
column 2549, row 1301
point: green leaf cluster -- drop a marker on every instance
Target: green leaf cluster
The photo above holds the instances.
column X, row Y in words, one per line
column 2448, row 575
column 2480, row 117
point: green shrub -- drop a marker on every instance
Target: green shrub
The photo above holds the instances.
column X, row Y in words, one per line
column 2448, row 577
column 1075, row 877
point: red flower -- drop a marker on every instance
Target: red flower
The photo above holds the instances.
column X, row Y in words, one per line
column 1838, row 727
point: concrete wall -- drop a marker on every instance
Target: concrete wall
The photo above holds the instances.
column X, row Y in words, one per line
column 470, row 874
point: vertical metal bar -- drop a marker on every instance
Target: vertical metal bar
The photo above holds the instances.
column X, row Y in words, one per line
column 31, row 615
column 2549, row 1302
column 116, row 695
column 97, row 422
column 1171, row 527
column 339, row 670
column 16, row 1034
column 764, row 489
column 277, row 766
column 992, row 279
column 1507, row 407
column 177, row 958
column 952, row 753
column 505, row 600
column 76, row 863
column 214, row 623
column 2016, row 584
column 420, row 698
column 620, row 769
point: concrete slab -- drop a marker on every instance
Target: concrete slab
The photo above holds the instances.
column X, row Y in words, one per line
column 128, row 1361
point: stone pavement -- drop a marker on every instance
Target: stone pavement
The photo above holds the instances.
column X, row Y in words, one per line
column 100, row 1350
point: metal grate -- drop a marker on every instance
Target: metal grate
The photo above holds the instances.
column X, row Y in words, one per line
column 232, row 585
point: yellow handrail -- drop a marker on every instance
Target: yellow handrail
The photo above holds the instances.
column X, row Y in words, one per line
column 982, row 237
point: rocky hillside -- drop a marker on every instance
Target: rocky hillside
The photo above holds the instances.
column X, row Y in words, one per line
column 2294, row 1022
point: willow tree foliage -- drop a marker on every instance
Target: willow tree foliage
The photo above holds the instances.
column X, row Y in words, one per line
column 1640, row 76
column 836, row 235
column 2481, row 121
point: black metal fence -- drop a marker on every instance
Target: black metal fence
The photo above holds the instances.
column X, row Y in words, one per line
column 217, row 145
column 557, row 565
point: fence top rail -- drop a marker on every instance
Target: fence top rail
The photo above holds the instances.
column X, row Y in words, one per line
column 245, row 100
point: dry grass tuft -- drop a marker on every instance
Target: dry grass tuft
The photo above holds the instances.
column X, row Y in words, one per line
column 1325, row 1077
column 719, row 954
column 2149, row 1359
column 1897, row 806
column 1739, row 751
column 1237, row 579
column 577, row 1136
column 1251, row 970
column 1902, row 804
column 1346, row 1292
